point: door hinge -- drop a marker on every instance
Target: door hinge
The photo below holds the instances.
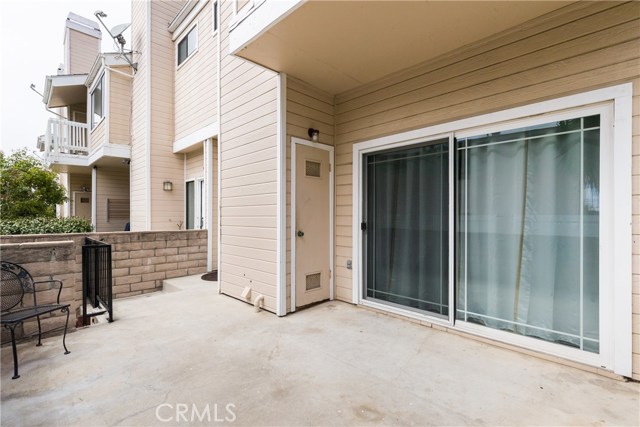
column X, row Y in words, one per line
column 363, row 226
column 330, row 274
column 329, row 167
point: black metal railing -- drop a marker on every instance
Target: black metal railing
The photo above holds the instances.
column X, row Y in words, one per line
column 96, row 279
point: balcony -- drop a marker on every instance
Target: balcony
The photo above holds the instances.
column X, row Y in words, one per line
column 338, row 46
column 66, row 144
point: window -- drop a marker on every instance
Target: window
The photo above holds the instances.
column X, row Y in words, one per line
column 195, row 204
column 407, row 226
column 528, row 231
column 215, row 16
column 188, row 45
column 97, row 103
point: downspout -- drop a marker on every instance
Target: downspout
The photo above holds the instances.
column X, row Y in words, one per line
column 219, row 141
column 148, row 122
column 208, row 153
column 258, row 303
column 94, row 197
column 281, row 207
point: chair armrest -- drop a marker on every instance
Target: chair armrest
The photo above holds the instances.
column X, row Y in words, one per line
column 52, row 284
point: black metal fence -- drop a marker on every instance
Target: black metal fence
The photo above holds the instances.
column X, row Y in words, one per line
column 96, row 279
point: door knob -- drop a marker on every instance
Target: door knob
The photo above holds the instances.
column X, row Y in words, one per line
column 300, row 233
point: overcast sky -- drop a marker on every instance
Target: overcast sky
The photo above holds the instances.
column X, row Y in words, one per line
column 31, row 36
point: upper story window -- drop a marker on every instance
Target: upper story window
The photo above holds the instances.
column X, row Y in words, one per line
column 97, row 102
column 215, row 16
column 188, row 45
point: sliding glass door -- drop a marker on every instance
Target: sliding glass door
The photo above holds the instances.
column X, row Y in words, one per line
column 407, row 227
column 528, row 231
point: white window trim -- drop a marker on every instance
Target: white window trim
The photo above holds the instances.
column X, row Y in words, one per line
column 177, row 44
column 215, row 12
column 103, row 79
column 616, row 353
column 198, row 201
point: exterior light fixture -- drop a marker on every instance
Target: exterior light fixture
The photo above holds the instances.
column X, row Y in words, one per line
column 167, row 186
column 314, row 134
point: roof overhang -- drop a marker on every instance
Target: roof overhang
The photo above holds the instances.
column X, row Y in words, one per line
column 185, row 16
column 63, row 90
column 105, row 60
column 339, row 45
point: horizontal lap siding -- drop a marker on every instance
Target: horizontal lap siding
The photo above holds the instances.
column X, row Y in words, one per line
column 307, row 107
column 583, row 47
column 167, row 207
column 196, row 79
column 249, row 175
column 83, row 51
column 194, row 167
column 97, row 136
column 119, row 108
column 112, row 183
column 138, row 184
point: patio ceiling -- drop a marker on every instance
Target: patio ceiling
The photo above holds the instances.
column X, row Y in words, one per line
column 337, row 46
column 64, row 90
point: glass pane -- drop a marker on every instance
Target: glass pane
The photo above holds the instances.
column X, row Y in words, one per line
column 192, row 42
column 190, row 205
column 96, row 103
column 528, row 214
column 182, row 51
column 407, row 227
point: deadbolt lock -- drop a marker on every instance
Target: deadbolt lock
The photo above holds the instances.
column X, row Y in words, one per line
column 300, row 233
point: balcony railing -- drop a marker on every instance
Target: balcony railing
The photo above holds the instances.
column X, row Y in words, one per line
column 66, row 137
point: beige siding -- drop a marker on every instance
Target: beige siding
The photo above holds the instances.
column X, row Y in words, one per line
column 139, row 186
column 152, row 159
column 166, row 206
column 307, row 107
column 119, row 108
column 98, row 135
column 196, row 79
column 586, row 47
column 83, row 50
column 194, row 163
column 111, row 183
column 248, row 168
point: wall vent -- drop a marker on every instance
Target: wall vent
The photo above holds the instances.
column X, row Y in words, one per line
column 312, row 169
column 313, row 281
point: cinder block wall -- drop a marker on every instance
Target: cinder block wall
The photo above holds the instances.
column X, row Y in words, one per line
column 140, row 263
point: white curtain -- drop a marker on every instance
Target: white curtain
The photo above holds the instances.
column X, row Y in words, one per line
column 528, row 232
column 407, row 227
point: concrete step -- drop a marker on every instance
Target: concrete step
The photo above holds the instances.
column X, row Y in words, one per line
column 187, row 283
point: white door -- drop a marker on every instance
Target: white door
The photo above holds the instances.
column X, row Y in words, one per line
column 82, row 204
column 312, row 232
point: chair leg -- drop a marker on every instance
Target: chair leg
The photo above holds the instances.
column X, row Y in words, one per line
column 39, row 333
column 64, row 337
column 15, row 351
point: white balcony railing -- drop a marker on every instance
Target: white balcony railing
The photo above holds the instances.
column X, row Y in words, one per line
column 66, row 137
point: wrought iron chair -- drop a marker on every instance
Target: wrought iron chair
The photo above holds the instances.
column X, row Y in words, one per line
column 15, row 282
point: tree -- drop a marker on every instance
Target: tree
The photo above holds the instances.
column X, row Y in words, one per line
column 28, row 188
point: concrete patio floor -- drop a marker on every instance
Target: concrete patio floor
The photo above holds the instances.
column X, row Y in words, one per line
column 332, row 364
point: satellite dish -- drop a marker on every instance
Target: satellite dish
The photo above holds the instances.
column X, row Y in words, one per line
column 119, row 29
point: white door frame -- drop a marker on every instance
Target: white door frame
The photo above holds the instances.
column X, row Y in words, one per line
column 331, row 150
column 617, row 308
column 199, row 200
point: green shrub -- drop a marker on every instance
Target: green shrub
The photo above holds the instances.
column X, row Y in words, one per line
column 45, row 225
